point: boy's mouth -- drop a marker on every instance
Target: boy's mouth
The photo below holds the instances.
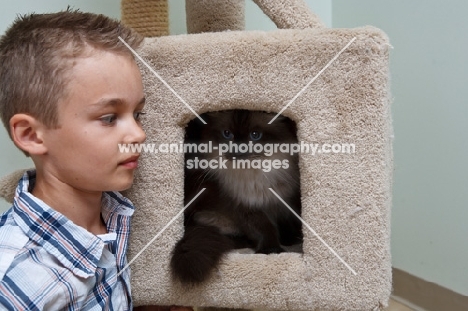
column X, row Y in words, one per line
column 131, row 162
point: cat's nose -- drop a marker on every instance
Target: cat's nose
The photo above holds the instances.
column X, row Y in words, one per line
column 238, row 155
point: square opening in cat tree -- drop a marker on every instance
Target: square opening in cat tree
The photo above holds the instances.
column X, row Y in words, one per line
column 345, row 196
column 236, row 163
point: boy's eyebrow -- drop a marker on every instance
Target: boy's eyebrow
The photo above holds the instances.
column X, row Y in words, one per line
column 102, row 103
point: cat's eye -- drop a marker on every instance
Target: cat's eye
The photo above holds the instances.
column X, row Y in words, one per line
column 227, row 134
column 255, row 135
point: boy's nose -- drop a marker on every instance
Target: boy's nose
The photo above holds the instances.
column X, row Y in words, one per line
column 135, row 133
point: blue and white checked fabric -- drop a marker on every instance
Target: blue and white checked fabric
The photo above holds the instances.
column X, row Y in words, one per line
column 49, row 263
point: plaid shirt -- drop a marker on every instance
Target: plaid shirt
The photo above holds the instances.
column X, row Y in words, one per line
column 49, row 263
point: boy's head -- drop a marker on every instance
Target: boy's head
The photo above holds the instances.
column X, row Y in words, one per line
column 70, row 93
column 38, row 51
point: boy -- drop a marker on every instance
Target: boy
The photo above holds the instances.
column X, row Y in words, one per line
column 70, row 92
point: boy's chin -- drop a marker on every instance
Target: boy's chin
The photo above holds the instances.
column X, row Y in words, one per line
column 121, row 184
column 120, row 189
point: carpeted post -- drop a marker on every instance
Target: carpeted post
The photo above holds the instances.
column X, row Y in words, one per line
column 148, row 17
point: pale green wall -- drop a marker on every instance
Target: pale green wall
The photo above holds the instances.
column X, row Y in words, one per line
column 430, row 111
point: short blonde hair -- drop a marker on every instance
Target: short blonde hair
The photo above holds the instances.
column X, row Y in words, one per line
column 37, row 51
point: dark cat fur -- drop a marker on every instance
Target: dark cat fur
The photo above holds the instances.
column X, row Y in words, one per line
column 236, row 210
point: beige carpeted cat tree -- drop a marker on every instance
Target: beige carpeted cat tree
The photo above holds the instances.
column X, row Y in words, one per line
column 336, row 83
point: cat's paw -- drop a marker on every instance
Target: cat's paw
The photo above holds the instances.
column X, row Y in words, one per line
column 288, row 240
column 271, row 250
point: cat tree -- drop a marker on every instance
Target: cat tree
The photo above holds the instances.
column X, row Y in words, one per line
column 346, row 198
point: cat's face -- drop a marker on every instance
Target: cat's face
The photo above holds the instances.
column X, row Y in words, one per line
column 245, row 159
column 235, row 130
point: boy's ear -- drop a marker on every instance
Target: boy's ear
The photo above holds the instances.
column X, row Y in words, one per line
column 27, row 134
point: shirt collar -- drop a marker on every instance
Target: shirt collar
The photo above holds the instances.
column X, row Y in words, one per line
column 76, row 248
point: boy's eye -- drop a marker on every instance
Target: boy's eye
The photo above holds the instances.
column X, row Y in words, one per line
column 137, row 115
column 227, row 134
column 108, row 119
column 255, row 135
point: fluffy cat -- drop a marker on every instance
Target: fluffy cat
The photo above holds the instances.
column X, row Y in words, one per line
column 237, row 209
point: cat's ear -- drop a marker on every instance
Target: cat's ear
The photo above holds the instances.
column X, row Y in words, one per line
column 208, row 116
column 194, row 127
column 290, row 124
